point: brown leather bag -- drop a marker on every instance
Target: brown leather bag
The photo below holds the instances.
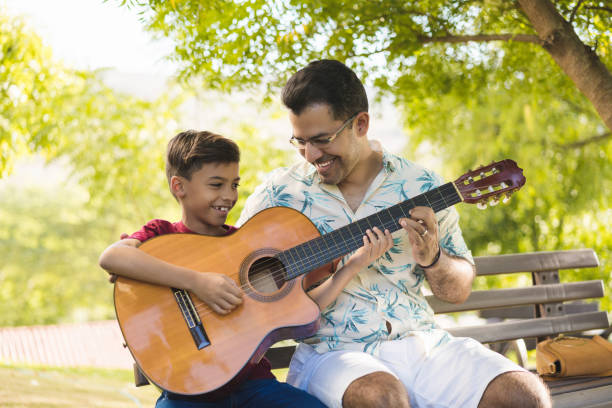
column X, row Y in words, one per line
column 566, row 356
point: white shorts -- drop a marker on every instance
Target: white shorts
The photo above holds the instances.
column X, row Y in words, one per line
column 455, row 374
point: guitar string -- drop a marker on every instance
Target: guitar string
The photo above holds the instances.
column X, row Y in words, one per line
column 305, row 261
column 208, row 311
column 305, row 264
column 358, row 238
column 204, row 310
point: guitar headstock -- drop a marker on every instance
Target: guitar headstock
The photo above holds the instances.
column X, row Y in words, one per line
column 488, row 184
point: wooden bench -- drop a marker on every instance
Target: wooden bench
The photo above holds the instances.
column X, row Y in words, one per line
column 541, row 310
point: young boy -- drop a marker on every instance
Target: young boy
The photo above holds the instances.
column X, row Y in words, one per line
column 202, row 172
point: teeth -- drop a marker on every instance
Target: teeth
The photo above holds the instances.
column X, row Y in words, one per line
column 323, row 164
column 222, row 208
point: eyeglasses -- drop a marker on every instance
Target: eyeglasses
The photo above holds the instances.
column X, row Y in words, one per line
column 320, row 141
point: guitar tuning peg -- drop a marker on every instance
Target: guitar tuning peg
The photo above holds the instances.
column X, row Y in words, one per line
column 494, row 201
column 506, row 198
column 481, row 206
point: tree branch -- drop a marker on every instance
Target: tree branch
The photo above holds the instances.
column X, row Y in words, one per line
column 528, row 38
column 575, row 10
column 608, row 9
column 592, row 139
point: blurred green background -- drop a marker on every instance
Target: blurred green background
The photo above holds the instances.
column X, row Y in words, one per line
column 99, row 152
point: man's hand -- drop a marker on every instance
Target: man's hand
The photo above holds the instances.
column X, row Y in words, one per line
column 422, row 229
column 375, row 244
column 218, row 291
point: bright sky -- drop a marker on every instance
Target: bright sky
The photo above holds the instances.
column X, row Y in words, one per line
column 91, row 34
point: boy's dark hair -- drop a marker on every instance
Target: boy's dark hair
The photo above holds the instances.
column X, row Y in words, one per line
column 188, row 151
column 326, row 81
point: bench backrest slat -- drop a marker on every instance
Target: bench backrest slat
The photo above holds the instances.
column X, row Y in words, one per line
column 544, row 326
column 497, row 298
column 536, row 261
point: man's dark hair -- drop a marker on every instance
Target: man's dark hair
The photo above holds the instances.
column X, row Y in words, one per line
column 326, row 81
column 188, row 151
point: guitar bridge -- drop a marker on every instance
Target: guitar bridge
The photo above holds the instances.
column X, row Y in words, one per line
column 190, row 314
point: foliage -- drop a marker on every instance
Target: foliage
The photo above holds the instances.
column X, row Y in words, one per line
column 474, row 99
column 228, row 43
column 546, row 126
column 473, row 102
column 27, row 85
column 110, row 147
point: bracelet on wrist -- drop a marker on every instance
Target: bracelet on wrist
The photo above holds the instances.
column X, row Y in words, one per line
column 435, row 260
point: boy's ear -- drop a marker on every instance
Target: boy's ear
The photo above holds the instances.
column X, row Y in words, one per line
column 177, row 186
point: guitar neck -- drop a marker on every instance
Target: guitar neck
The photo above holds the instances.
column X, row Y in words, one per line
column 320, row 251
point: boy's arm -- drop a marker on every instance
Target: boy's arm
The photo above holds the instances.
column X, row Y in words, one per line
column 375, row 244
column 123, row 258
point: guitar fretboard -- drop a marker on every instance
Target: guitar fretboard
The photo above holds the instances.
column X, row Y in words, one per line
column 320, row 251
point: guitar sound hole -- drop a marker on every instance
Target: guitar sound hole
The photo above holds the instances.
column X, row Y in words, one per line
column 267, row 275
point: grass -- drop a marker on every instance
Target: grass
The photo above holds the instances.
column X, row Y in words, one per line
column 46, row 387
column 51, row 387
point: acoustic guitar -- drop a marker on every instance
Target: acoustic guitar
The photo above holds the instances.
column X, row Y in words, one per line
column 182, row 346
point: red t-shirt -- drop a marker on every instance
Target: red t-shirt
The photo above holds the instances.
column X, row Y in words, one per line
column 157, row 227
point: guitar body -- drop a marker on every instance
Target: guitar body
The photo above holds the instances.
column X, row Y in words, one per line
column 159, row 330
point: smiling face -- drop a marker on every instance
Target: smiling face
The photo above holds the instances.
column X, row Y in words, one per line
column 335, row 161
column 208, row 196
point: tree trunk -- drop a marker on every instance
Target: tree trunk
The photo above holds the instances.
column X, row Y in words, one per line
column 577, row 60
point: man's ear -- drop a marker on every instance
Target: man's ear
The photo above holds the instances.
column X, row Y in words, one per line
column 177, row 186
column 362, row 123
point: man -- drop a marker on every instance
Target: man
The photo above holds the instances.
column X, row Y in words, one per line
column 378, row 345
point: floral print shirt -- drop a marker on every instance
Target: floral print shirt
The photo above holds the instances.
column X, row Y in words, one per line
column 389, row 289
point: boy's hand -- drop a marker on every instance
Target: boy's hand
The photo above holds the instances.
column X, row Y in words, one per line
column 218, row 291
column 375, row 244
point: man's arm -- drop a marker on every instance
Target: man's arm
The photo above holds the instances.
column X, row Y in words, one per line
column 123, row 258
column 449, row 277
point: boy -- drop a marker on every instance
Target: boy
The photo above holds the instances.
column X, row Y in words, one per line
column 202, row 172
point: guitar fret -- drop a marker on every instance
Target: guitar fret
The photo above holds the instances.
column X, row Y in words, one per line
column 316, row 241
column 392, row 223
column 382, row 224
column 345, row 240
column 301, row 247
column 420, row 201
column 297, row 262
column 439, row 191
column 395, row 214
column 354, row 230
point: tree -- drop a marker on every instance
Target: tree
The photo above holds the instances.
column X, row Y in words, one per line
column 229, row 44
column 476, row 80
column 110, row 147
